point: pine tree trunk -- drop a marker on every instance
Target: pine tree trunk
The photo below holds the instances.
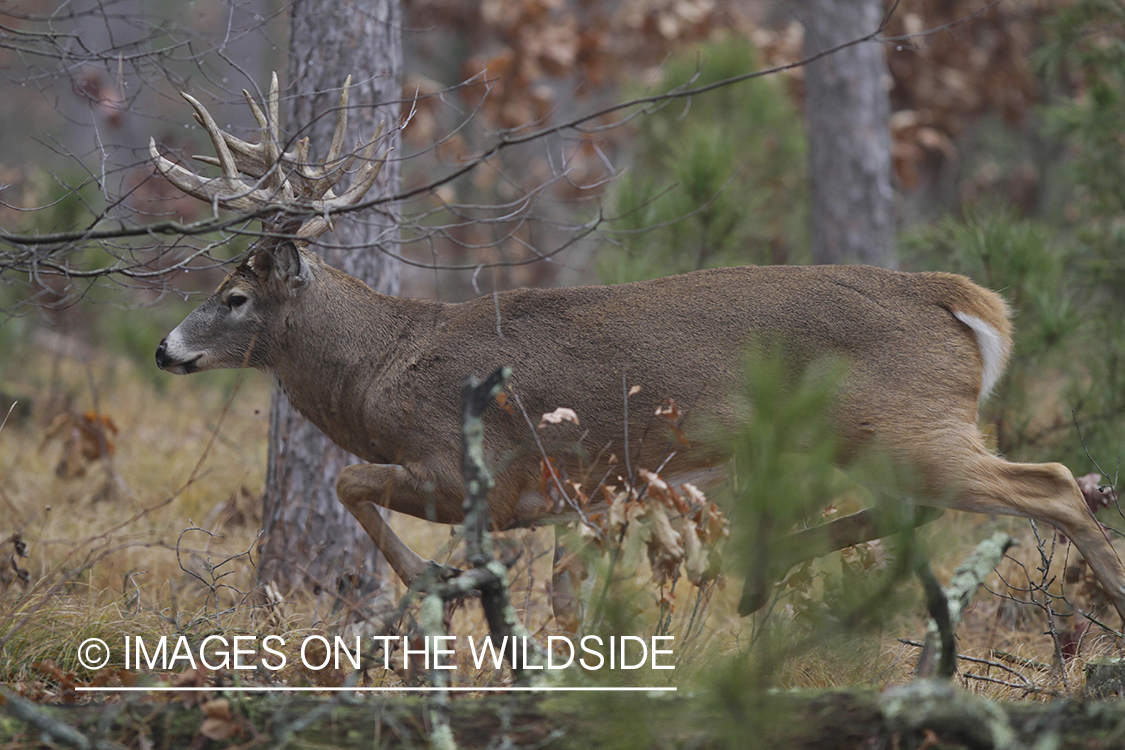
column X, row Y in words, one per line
column 310, row 538
column 851, row 201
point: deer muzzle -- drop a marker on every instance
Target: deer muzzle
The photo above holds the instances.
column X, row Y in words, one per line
column 167, row 359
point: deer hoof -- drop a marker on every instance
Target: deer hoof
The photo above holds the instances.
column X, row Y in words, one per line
column 434, row 572
column 754, row 596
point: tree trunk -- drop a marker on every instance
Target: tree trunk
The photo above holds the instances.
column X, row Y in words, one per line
column 310, row 538
column 851, row 201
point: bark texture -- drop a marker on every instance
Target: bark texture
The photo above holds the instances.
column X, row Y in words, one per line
column 310, row 537
column 851, row 201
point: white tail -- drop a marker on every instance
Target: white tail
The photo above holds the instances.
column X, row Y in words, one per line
column 994, row 349
column 381, row 375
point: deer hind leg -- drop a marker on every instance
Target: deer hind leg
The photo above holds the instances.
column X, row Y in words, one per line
column 1045, row 492
column 362, row 487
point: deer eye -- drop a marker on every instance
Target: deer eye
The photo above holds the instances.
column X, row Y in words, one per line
column 236, row 301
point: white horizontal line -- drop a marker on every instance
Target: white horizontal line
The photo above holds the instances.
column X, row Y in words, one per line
column 428, row 689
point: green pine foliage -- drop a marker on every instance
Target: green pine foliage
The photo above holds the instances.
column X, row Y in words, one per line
column 717, row 179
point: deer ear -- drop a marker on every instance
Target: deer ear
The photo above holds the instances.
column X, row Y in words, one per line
column 282, row 266
column 290, row 268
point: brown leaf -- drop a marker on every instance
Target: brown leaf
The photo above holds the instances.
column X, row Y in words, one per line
column 502, row 402
column 592, row 532
column 665, row 550
column 693, row 493
column 579, row 494
column 194, row 678
column 218, row 708
column 710, row 521
column 86, row 438
column 622, row 510
column 695, row 556
column 657, row 487
column 50, row 669
column 219, row 723
column 671, row 413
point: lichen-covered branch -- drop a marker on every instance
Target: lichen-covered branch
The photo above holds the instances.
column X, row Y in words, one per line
column 489, row 575
column 958, row 594
column 939, row 705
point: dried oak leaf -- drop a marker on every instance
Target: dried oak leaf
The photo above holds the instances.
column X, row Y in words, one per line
column 665, row 550
column 502, row 402
column 219, row 723
column 671, row 413
column 623, row 509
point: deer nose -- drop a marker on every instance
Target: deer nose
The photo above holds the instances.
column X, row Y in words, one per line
column 162, row 354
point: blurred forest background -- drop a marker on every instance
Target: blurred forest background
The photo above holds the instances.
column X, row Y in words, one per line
column 139, row 496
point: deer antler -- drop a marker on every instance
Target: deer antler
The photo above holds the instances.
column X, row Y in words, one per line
column 279, row 178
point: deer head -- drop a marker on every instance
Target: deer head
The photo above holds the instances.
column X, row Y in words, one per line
column 293, row 199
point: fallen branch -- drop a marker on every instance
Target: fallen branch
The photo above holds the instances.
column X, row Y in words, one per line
column 938, row 705
column 56, row 730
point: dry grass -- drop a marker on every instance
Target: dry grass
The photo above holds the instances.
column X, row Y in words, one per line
column 102, row 541
column 110, row 550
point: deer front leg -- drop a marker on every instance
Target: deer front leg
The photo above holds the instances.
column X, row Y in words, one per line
column 817, row 541
column 362, row 487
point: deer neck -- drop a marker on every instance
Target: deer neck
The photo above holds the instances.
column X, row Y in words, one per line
column 332, row 350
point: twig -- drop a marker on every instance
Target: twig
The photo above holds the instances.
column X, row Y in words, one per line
column 9, row 413
column 984, row 662
column 1026, row 688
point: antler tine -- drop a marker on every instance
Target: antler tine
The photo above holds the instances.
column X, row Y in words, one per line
column 364, row 179
column 228, row 192
column 317, row 180
column 259, row 160
column 269, row 143
column 285, row 178
column 326, row 178
column 341, row 125
column 233, row 156
column 226, row 159
column 368, row 172
column 362, row 183
column 273, row 104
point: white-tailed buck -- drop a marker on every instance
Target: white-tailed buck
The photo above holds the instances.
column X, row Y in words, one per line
column 381, row 376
